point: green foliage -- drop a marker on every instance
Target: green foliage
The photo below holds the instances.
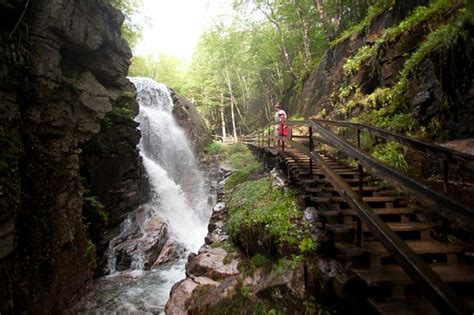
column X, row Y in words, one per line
column 441, row 39
column 364, row 54
column 239, row 157
column 214, row 148
column 296, row 118
column 256, row 204
column 257, row 261
column 377, row 8
column 123, row 111
column 392, row 154
column 307, row 245
column 131, row 31
column 164, row 68
column 420, row 15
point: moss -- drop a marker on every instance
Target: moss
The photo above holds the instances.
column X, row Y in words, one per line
column 214, row 148
column 70, row 84
column 377, row 8
column 255, row 205
column 420, row 15
column 90, row 253
column 200, row 294
column 444, row 38
column 363, row 55
column 240, row 158
column 124, row 111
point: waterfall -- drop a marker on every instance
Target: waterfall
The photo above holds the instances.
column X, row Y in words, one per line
column 179, row 195
column 176, row 182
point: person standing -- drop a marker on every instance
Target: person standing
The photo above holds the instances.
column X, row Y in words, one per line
column 281, row 130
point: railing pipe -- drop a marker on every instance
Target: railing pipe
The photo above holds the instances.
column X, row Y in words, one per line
column 431, row 198
column 432, row 285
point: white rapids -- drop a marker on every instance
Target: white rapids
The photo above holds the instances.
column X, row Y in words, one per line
column 179, row 194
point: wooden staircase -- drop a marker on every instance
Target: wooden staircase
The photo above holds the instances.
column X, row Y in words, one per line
column 379, row 283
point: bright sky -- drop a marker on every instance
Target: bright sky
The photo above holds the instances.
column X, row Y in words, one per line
column 174, row 26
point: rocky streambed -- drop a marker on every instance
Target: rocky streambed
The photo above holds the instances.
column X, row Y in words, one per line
column 220, row 277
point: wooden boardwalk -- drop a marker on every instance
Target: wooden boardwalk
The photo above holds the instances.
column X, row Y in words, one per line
column 375, row 283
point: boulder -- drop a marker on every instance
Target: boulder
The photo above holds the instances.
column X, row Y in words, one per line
column 191, row 121
column 170, row 252
column 212, row 263
column 180, row 294
column 141, row 249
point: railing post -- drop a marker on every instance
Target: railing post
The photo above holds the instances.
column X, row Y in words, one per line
column 358, row 138
column 280, row 131
column 360, row 184
column 311, row 150
column 445, row 174
column 268, row 140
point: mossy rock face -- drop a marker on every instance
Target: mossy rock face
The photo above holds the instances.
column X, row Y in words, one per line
column 255, row 239
column 10, row 185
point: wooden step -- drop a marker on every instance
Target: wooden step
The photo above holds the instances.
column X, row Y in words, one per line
column 395, row 226
column 325, row 181
column 331, row 189
column 403, row 305
column 318, row 171
column 378, row 211
column 395, row 275
column 419, row 247
column 334, row 199
column 305, row 167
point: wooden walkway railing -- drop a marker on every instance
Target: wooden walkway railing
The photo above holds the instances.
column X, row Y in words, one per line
column 437, row 291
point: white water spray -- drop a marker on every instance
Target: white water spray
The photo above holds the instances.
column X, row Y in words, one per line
column 176, row 182
column 178, row 194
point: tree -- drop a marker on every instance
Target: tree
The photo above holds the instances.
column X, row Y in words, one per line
column 131, row 31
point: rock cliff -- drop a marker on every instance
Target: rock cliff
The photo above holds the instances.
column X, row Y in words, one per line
column 63, row 67
column 407, row 69
column 191, row 121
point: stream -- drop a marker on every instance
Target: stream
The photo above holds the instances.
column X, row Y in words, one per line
column 179, row 196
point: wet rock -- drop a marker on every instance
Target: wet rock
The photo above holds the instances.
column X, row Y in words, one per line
column 212, row 263
column 278, row 178
column 213, row 299
column 142, row 248
column 54, row 70
column 465, row 146
column 180, row 294
column 216, row 228
column 310, row 214
column 189, row 119
column 290, row 280
column 171, row 251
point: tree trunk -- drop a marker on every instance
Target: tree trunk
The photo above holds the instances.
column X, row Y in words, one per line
column 233, row 119
column 232, row 115
column 304, row 30
column 282, row 45
column 222, row 117
column 324, row 19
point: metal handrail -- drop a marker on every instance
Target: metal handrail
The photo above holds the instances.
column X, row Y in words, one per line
column 404, row 140
column 439, row 293
column 436, row 290
column 442, row 204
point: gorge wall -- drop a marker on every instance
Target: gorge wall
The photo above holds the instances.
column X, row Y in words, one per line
column 63, row 67
column 405, row 68
column 191, row 121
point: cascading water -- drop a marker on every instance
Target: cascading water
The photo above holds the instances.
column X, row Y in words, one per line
column 178, row 194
